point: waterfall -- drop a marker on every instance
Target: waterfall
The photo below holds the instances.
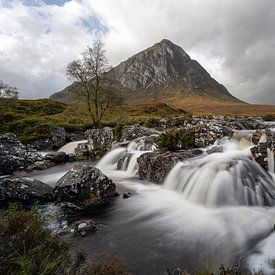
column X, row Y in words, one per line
column 125, row 159
column 227, row 178
column 111, row 158
column 270, row 156
column 70, row 147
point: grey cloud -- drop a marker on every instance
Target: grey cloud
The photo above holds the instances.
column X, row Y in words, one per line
column 234, row 40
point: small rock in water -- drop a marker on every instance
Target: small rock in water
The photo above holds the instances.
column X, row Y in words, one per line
column 127, row 195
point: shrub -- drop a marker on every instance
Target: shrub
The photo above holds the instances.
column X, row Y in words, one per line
column 27, row 247
column 269, row 117
column 176, row 139
column 105, row 266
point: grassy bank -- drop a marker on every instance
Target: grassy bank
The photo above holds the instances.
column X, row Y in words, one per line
column 35, row 119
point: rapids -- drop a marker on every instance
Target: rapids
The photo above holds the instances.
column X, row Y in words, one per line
column 213, row 209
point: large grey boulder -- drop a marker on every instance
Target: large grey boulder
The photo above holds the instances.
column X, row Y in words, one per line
column 85, row 186
column 155, row 166
column 24, row 190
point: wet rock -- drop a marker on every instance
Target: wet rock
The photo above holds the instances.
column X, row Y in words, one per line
column 260, row 151
column 127, row 195
column 207, row 133
column 70, row 137
column 256, row 136
column 40, row 165
column 85, row 186
column 155, row 166
column 57, row 157
column 84, row 227
column 24, row 190
column 215, row 149
column 13, row 154
column 136, row 131
column 41, row 144
column 100, row 139
column 58, row 137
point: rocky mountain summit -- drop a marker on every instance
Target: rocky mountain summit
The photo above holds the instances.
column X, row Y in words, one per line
column 162, row 71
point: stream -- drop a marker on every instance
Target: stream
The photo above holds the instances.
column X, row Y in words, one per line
column 211, row 210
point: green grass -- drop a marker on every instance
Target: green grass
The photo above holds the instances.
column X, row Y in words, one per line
column 27, row 247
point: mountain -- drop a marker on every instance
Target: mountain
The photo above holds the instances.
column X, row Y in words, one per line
column 160, row 73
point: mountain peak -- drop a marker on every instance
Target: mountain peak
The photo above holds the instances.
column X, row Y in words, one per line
column 165, row 70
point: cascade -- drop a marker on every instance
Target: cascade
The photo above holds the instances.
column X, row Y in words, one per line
column 70, row 147
column 227, row 178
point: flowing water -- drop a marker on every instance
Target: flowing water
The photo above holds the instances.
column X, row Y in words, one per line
column 213, row 209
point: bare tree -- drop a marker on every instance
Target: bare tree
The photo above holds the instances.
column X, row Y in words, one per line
column 7, row 91
column 89, row 71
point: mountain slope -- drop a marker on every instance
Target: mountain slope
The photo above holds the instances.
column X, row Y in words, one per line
column 160, row 72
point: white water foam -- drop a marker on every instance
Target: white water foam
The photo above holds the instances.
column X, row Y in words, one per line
column 70, row 147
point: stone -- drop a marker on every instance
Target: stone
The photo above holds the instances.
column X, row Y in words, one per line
column 207, row 133
column 41, row 144
column 155, row 166
column 256, row 136
column 127, row 195
column 85, row 186
column 100, row 139
column 58, row 137
column 136, row 131
column 40, row 165
column 57, row 157
column 24, row 190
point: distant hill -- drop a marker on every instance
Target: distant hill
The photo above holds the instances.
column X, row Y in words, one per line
column 161, row 73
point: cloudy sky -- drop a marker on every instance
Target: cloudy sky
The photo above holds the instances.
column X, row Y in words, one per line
column 234, row 40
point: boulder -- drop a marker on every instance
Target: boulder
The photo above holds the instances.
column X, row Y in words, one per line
column 207, row 133
column 136, row 131
column 58, row 137
column 155, row 166
column 41, row 144
column 100, row 139
column 57, row 157
column 40, row 165
column 13, row 154
column 24, row 190
column 84, row 227
column 256, row 136
column 85, row 186
column 260, row 151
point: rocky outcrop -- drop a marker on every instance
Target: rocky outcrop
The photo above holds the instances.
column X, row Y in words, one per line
column 136, row 131
column 24, row 190
column 85, row 186
column 155, row 166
